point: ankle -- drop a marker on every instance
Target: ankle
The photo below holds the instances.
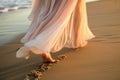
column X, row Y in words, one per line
column 47, row 57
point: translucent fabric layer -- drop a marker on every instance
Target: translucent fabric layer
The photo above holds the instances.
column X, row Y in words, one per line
column 56, row 24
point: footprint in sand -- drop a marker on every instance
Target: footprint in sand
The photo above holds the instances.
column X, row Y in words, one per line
column 37, row 73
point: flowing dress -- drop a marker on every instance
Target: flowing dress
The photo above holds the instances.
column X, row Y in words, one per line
column 56, row 24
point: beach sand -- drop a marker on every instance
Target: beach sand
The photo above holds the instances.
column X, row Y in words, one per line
column 99, row 60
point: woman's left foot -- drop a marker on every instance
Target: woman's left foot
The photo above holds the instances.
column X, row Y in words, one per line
column 23, row 52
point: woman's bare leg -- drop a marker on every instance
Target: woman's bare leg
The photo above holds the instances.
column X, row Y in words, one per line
column 47, row 57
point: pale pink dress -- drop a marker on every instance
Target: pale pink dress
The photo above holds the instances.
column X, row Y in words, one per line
column 56, row 24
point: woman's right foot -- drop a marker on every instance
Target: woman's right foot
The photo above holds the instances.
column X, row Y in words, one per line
column 47, row 58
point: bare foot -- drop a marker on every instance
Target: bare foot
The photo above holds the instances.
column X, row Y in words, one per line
column 47, row 58
column 23, row 52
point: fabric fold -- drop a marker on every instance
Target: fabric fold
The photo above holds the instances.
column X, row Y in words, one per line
column 57, row 24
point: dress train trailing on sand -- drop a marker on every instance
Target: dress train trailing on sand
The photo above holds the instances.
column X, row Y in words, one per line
column 56, row 24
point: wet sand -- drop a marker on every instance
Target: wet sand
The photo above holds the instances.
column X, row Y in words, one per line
column 99, row 60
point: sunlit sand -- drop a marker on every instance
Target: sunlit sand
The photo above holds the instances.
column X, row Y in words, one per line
column 99, row 60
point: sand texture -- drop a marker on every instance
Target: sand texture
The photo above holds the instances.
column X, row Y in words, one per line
column 99, row 60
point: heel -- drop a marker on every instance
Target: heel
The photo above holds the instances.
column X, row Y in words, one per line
column 23, row 52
